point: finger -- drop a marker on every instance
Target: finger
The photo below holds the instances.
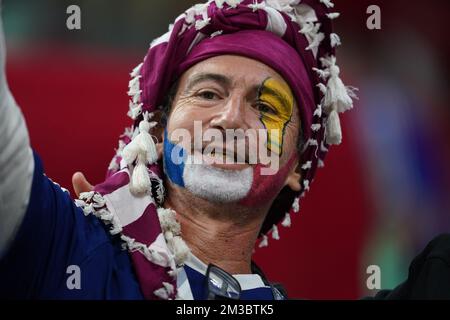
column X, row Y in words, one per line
column 80, row 184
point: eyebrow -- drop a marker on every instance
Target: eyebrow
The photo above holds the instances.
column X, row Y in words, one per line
column 202, row 77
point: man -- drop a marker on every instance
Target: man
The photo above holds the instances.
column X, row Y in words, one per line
column 188, row 212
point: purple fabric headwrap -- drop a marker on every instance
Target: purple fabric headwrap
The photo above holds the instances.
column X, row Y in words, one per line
column 292, row 37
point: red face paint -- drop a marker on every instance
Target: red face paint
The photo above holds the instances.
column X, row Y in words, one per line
column 265, row 188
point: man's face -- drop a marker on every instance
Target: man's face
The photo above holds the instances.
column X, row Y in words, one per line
column 227, row 94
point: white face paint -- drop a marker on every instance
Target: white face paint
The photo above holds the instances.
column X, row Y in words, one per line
column 216, row 184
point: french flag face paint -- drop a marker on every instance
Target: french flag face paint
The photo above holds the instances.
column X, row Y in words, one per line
column 202, row 179
column 247, row 186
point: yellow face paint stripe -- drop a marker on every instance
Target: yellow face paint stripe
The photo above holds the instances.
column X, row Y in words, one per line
column 279, row 97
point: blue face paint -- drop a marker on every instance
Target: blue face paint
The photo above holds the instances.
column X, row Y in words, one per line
column 174, row 157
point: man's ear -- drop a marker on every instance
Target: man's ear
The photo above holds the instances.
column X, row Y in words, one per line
column 294, row 176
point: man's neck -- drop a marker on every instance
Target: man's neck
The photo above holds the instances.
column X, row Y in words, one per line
column 222, row 234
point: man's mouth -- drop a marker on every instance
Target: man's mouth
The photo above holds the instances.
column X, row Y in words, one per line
column 221, row 158
column 226, row 156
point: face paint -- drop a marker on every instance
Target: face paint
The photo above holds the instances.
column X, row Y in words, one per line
column 203, row 180
column 171, row 152
column 265, row 187
column 247, row 187
column 217, row 185
column 278, row 100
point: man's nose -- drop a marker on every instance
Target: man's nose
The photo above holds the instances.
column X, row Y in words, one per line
column 232, row 115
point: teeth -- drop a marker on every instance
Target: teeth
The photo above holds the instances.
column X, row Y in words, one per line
column 225, row 157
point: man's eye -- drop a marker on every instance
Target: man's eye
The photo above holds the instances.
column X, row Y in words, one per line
column 208, row 95
column 265, row 108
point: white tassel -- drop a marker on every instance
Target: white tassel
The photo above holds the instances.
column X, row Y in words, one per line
column 351, row 92
column 336, row 99
column 337, row 95
column 180, row 250
column 135, row 93
column 333, row 15
column 201, row 9
column 161, row 293
column 264, row 242
column 335, row 40
column 322, row 88
column 165, row 291
column 287, row 220
column 316, row 41
column 168, row 221
column 323, row 148
column 257, row 6
column 307, row 27
column 133, row 85
column 233, row 3
column 128, row 133
column 296, row 205
column 135, row 110
column 327, row 3
column 169, row 287
column 312, row 142
column 333, row 130
column 216, row 33
column 315, row 127
column 323, row 74
column 307, row 165
column 93, row 203
column 113, row 165
column 190, row 16
column 149, row 253
column 159, row 186
column 117, row 228
column 172, row 233
column 219, row 3
column 141, row 149
column 318, row 111
column 120, row 148
column 306, row 185
column 87, row 196
column 320, row 163
column 275, row 234
column 136, row 70
column 98, row 200
column 140, row 180
column 200, row 24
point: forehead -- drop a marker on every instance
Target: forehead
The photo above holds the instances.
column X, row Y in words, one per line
column 238, row 69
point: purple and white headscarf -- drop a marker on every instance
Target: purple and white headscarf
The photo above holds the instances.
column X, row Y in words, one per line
column 293, row 37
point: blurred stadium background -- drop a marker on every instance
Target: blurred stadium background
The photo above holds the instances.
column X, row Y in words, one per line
column 383, row 194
